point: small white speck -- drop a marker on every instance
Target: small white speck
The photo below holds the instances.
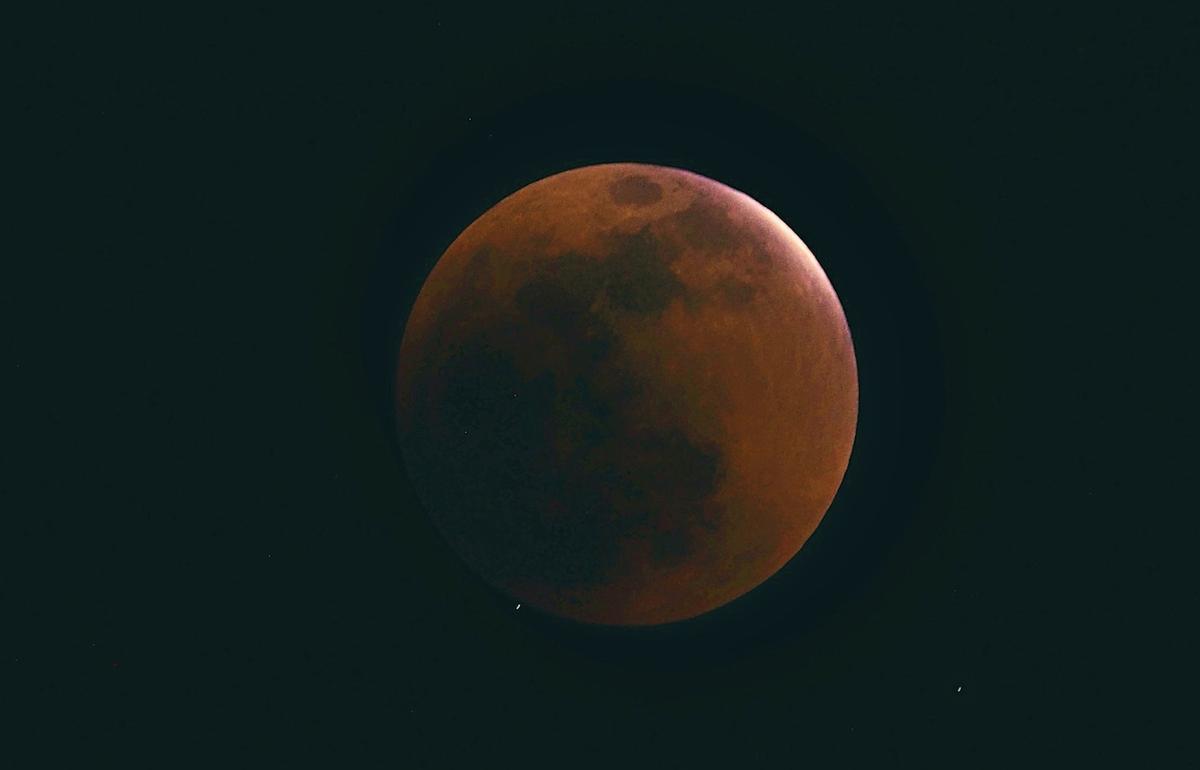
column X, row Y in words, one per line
column 518, row 606
column 959, row 688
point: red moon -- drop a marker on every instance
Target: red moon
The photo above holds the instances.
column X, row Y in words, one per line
column 627, row 394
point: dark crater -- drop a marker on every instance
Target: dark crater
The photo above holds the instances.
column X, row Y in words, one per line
column 635, row 190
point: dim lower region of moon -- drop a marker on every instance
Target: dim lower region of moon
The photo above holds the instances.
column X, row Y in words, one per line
column 627, row 394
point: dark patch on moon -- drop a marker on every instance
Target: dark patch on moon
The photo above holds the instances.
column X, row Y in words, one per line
column 706, row 225
column 639, row 279
column 560, row 297
column 479, row 273
column 633, row 274
column 528, row 435
column 736, row 293
column 635, row 190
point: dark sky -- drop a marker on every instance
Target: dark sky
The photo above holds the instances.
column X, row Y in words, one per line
column 218, row 557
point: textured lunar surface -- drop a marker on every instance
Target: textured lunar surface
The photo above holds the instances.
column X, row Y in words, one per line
column 627, row 394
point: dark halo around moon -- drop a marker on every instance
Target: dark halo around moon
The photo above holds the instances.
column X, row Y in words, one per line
column 627, row 394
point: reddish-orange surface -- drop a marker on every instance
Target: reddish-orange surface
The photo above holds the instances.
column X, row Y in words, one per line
column 627, row 394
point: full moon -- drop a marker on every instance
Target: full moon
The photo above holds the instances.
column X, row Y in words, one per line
column 627, row 394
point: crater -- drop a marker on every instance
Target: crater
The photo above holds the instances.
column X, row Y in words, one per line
column 706, row 225
column 635, row 190
column 735, row 292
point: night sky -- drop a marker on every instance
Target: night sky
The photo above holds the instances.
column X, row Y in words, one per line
column 218, row 557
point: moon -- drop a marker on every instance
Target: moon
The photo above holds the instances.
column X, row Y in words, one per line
column 627, row 394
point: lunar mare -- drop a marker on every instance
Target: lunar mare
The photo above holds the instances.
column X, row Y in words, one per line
column 627, row 394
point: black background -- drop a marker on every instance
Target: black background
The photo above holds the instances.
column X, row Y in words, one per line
column 216, row 554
